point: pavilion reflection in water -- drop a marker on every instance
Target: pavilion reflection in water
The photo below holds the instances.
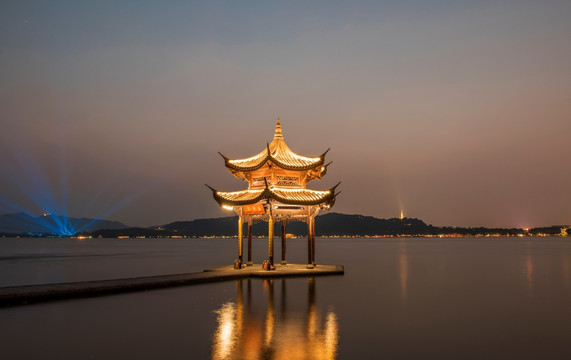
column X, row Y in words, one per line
column 289, row 332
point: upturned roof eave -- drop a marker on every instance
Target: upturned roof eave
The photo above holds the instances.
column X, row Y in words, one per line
column 268, row 155
column 274, row 161
column 224, row 201
column 269, row 194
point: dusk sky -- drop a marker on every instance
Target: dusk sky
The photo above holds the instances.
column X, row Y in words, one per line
column 458, row 112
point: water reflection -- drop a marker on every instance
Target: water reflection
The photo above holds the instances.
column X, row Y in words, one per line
column 403, row 269
column 255, row 332
column 529, row 272
column 566, row 268
column 528, row 268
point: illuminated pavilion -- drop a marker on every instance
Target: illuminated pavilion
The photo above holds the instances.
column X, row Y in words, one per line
column 277, row 179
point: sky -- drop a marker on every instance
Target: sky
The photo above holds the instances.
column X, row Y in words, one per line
column 456, row 112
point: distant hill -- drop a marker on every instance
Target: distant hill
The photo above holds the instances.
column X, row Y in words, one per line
column 330, row 224
column 22, row 223
column 348, row 225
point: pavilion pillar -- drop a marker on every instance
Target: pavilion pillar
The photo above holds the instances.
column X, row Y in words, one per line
column 309, row 244
column 240, row 242
column 313, row 240
column 271, row 241
column 284, row 262
column 250, row 263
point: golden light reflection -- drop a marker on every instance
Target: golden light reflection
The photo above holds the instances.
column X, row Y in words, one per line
column 528, row 270
column 269, row 333
column 225, row 336
column 403, row 270
column 244, row 333
column 331, row 336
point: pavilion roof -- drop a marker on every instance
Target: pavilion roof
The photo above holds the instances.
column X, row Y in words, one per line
column 299, row 196
column 279, row 154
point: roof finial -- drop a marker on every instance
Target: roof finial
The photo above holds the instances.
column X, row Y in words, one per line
column 278, row 133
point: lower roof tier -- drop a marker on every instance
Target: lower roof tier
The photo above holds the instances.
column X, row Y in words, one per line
column 281, row 195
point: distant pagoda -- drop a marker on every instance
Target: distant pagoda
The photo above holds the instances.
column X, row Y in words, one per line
column 277, row 179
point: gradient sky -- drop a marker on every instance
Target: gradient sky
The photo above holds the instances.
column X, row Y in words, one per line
column 459, row 112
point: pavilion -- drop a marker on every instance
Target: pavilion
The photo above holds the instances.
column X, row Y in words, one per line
column 277, row 179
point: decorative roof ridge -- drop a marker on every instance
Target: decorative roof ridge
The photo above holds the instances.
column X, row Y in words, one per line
column 278, row 132
column 224, row 157
column 335, row 187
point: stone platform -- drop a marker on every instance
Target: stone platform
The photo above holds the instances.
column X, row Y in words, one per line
column 281, row 270
column 34, row 293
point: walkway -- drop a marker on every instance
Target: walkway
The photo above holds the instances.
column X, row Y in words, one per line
column 34, row 293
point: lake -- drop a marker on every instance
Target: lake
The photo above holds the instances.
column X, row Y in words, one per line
column 400, row 298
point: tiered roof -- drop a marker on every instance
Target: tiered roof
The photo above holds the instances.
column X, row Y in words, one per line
column 284, row 196
column 279, row 154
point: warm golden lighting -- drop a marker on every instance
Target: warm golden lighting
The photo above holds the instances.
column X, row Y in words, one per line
column 276, row 152
column 278, row 193
column 243, row 334
column 277, row 190
column 269, row 328
column 331, row 336
column 225, row 334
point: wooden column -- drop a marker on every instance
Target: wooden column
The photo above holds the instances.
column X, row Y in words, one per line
column 284, row 262
column 271, row 241
column 240, row 242
column 309, row 245
column 250, row 263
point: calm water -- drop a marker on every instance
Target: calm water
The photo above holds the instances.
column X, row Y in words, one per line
column 399, row 299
